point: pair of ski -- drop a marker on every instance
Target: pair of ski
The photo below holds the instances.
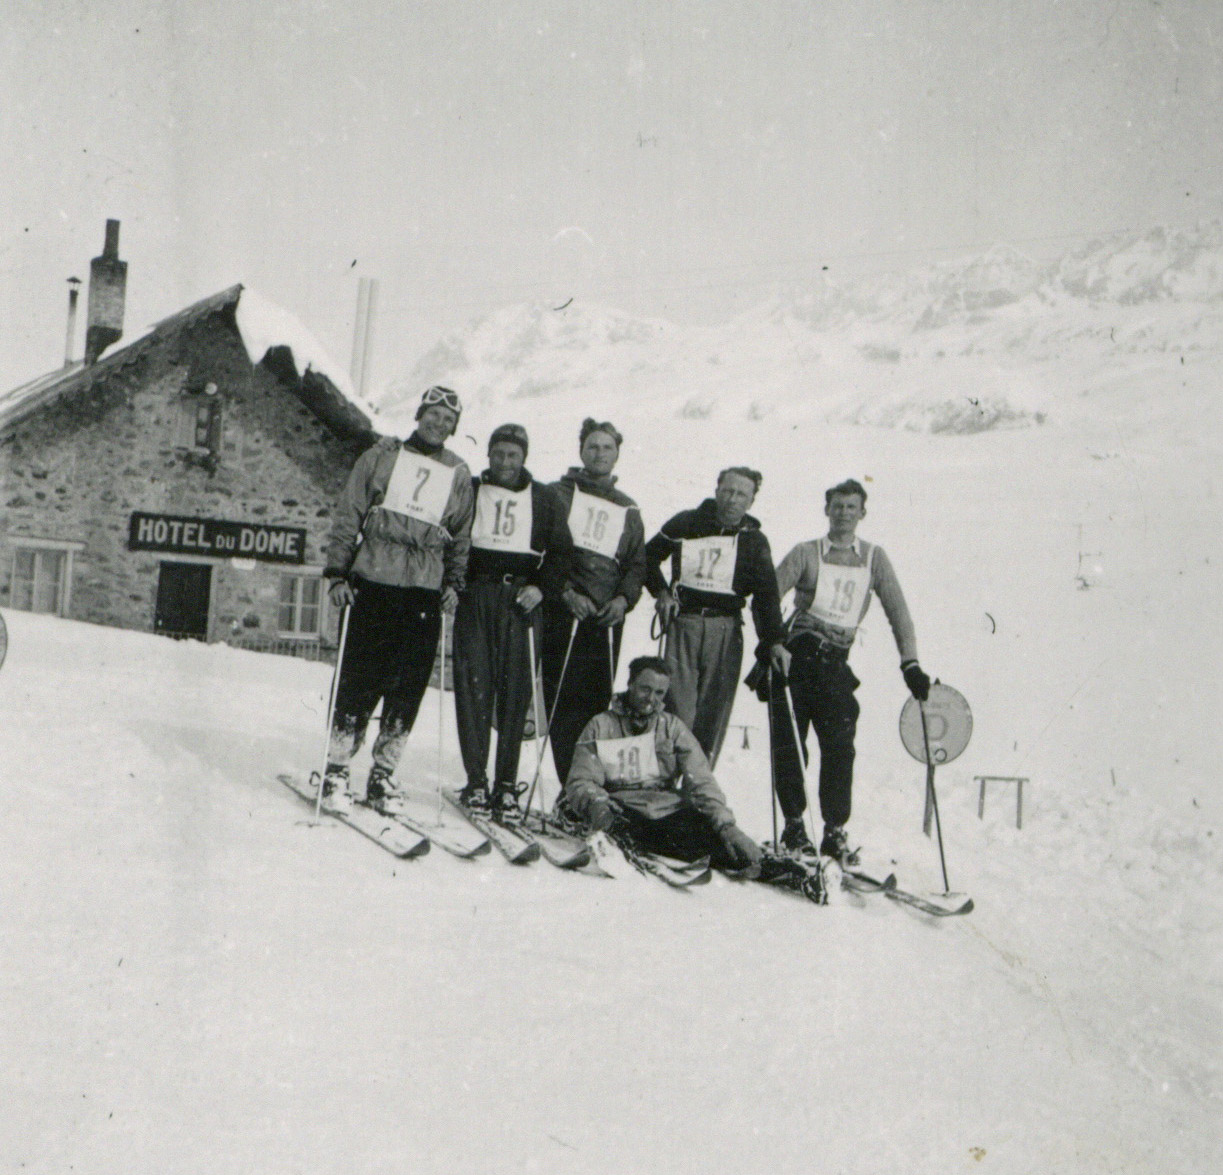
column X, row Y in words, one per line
column 405, row 834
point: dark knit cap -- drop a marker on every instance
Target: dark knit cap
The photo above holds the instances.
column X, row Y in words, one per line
column 590, row 425
column 513, row 434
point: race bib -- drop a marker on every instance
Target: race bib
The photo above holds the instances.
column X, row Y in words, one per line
column 596, row 524
column 708, row 564
column 841, row 595
column 419, row 487
column 632, row 761
column 503, row 519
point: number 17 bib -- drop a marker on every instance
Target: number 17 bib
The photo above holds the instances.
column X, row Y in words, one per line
column 419, row 487
column 708, row 564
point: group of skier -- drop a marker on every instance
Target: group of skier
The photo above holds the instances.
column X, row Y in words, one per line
column 541, row 577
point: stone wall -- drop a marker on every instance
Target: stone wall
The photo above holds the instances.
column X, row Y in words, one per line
column 77, row 469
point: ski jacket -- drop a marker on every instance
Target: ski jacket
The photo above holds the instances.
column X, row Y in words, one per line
column 800, row 570
column 549, row 534
column 600, row 577
column 683, row 775
column 753, row 574
column 388, row 547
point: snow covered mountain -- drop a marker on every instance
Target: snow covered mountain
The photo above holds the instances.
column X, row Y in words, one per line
column 962, row 346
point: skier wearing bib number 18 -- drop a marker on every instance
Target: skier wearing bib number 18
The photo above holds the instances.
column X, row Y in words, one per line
column 719, row 557
column 833, row 578
column 397, row 555
column 517, row 522
column 601, row 577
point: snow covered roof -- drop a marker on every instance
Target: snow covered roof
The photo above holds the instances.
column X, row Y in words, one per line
column 271, row 336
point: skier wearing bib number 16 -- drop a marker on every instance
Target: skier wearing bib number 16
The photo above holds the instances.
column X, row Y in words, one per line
column 398, row 555
column 832, row 578
column 517, row 521
column 719, row 557
column 601, row 576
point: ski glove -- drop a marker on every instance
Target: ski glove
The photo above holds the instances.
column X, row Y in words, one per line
column 758, row 680
column 742, row 850
column 916, row 680
column 600, row 815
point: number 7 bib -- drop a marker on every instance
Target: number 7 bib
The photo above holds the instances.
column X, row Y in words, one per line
column 419, row 487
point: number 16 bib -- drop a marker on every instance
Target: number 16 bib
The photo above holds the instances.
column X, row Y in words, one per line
column 419, row 487
column 596, row 524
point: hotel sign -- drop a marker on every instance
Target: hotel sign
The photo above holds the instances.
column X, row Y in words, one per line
column 222, row 540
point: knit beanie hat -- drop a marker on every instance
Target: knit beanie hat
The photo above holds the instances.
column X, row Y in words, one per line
column 513, row 434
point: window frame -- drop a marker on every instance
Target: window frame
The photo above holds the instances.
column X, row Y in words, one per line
column 38, row 547
column 299, row 577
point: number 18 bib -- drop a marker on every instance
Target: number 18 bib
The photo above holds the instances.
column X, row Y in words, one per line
column 596, row 524
column 631, row 760
column 503, row 519
column 708, row 564
column 419, row 487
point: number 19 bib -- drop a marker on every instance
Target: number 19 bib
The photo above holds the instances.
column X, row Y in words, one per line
column 632, row 761
column 708, row 564
column 503, row 519
column 596, row 524
column 419, row 487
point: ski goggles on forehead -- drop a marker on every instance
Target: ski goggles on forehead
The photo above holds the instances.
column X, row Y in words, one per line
column 444, row 396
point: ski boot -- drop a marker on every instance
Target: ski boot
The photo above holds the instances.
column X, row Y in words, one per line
column 337, row 799
column 795, row 842
column 505, row 804
column 474, row 797
column 381, row 794
column 835, row 844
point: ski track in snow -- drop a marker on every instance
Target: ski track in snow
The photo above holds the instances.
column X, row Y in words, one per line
column 198, row 978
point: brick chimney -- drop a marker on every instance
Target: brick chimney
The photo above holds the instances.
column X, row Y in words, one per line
column 107, row 290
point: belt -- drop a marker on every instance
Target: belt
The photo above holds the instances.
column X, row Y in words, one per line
column 507, row 578
column 824, row 647
column 710, row 612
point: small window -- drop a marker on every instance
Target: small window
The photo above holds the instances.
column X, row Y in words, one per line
column 199, row 423
column 40, row 580
column 301, row 605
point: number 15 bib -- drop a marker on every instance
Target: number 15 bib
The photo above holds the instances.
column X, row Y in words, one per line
column 708, row 564
column 419, row 487
column 503, row 519
column 596, row 524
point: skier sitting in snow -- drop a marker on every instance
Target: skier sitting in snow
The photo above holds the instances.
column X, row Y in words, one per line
column 641, row 769
column 832, row 578
column 398, row 555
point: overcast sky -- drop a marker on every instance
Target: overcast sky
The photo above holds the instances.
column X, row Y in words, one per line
column 669, row 157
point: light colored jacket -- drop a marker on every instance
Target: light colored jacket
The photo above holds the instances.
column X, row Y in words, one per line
column 685, row 774
column 390, row 548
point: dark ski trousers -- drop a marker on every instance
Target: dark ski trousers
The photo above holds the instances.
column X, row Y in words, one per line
column 388, row 655
column 684, row 834
column 822, row 686
column 588, row 681
column 492, row 676
column 705, row 654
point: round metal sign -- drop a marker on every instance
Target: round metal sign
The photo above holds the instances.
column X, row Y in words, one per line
column 948, row 725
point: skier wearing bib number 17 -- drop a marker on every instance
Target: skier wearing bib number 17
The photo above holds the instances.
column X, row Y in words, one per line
column 517, row 522
column 719, row 557
column 601, row 576
column 832, row 578
column 397, row 555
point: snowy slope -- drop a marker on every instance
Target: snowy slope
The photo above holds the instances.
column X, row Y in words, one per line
column 198, row 980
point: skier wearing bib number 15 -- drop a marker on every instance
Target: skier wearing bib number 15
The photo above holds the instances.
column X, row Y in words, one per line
column 719, row 557
column 832, row 578
column 398, row 555
column 517, row 522
column 601, row 577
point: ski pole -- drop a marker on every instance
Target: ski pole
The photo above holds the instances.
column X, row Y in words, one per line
column 535, row 715
column 798, row 746
column 335, row 689
column 441, row 713
column 932, row 796
column 556, row 701
column 772, row 766
column 611, row 658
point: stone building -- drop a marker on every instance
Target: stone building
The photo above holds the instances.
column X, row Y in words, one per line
column 182, row 483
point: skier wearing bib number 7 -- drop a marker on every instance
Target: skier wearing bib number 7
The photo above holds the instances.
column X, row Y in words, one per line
column 719, row 557
column 601, row 575
column 517, row 521
column 397, row 555
column 833, row 578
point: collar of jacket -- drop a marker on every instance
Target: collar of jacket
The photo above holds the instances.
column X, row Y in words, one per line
column 707, row 513
column 524, row 480
column 578, row 475
column 638, row 725
column 418, row 445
